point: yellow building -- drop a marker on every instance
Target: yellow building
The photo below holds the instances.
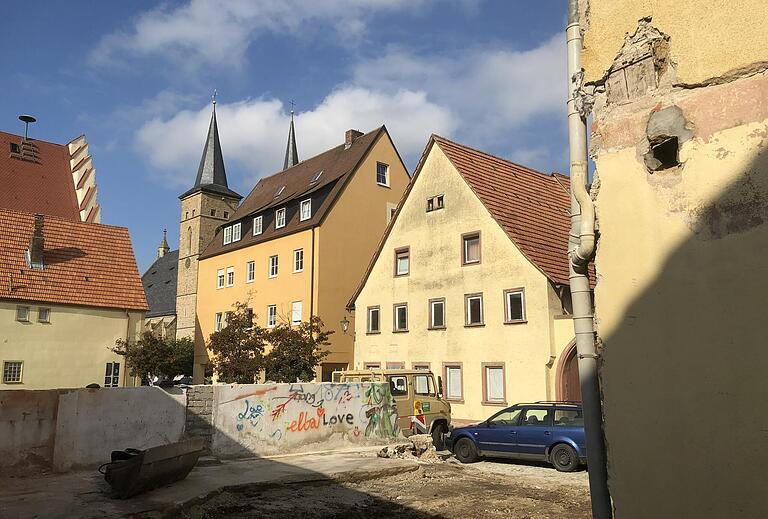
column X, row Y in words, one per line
column 680, row 143
column 471, row 281
column 68, row 291
column 299, row 243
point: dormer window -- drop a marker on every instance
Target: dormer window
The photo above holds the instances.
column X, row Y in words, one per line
column 306, row 210
column 316, row 177
column 227, row 234
column 257, row 225
column 236, row 231
column 279, row 191
column 280, row 218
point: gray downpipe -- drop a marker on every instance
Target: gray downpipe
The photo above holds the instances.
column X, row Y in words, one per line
column 581, row 246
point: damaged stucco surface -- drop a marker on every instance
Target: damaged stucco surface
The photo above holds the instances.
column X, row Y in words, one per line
column 681, row 261
column 716, row 52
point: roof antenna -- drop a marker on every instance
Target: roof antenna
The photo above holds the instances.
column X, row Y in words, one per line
column 26, row 119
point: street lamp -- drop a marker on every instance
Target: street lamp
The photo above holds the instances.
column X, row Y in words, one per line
column 344, row 325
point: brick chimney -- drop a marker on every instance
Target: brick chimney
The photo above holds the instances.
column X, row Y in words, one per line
column 37, row 245
column 350, row 136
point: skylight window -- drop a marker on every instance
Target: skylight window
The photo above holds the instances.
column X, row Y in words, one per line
column 279, row 191
column 316, row 177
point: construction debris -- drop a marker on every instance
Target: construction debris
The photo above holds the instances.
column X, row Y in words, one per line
column 419, row 447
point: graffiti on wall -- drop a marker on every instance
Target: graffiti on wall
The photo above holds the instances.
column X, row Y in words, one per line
column 268, row 417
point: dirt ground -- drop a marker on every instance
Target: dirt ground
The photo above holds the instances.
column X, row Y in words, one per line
column 436, row 490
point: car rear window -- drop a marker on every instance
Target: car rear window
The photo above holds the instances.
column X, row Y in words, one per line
column 569, row 418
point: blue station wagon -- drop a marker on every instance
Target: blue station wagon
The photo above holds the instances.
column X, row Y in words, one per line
column 547, row 431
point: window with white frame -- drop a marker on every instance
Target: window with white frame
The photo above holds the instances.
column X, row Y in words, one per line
column 400, row 317
column 226, row 319
column 474, row 309
column 279, row 191
column 514, row 306
column 453, row 382
column 374, row 319
column 271, row 316
column 22, row 314
column 257, row 223
column 434, row 203
column 12, row 371
column 220, row 278
column 249, row 316
column 306, row 210
column 437, row 314
column 296, row 309
column 280, row 218
column 470, row 253
column 493, row 377
column 230, row 276
column 382, row 174
column 236, row 228
column 227, row 234
column 298, row 260
column 402, row 261
column 217, row 322
column 43, row 314
column 250, row 271
column 273, row 266
column 112, row 374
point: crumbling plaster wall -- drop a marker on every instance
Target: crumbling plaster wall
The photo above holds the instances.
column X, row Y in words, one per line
column 681, row 261
column 701, row 29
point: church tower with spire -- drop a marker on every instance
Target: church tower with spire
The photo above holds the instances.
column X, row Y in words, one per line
column 291, row 153
column 204, row 207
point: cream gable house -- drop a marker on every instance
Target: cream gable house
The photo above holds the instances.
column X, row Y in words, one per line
column 471, row 281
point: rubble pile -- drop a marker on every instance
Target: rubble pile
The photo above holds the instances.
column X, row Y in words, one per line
column 420, row 447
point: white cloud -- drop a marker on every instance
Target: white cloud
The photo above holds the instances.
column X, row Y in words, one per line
column 254, row 132
column 490, row 90
column 219, row 32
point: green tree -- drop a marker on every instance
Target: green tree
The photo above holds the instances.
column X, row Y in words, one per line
column 238, row 348
column 296, row 351
column 152, row 356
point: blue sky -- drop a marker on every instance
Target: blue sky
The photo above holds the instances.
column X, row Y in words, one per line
column 136, row 78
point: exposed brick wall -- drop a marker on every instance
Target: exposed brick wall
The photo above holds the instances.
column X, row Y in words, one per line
column 200, row 414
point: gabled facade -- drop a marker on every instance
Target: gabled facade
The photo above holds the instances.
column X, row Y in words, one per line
column 470, row 281
column 299, row 242
column 47, row 178
column 68, row 291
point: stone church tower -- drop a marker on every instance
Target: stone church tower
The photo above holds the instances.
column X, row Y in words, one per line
column 207, row 205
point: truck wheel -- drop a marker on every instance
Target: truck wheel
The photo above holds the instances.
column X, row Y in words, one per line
column 564, row 458
column 438, row 435
column 465, row 450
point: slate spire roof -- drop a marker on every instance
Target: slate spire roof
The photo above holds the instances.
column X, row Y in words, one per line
column 211, row 176
column 291, row 154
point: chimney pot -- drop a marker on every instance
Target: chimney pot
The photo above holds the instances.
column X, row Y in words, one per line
column 350, row 136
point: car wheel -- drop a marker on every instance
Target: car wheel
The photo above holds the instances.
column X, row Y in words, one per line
column 465, row 450
column 438, row 436
column 564, row 458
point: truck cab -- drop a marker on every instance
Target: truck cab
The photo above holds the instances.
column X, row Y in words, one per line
column 421, row 408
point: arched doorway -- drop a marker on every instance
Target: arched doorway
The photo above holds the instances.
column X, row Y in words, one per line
column 568, row 387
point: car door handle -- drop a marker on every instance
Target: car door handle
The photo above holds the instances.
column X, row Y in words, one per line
column 546, row 433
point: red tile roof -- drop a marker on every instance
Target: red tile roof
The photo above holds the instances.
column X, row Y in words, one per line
column 337, row 164
column 86, row 264
column 532, row 208
column 45, row 187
